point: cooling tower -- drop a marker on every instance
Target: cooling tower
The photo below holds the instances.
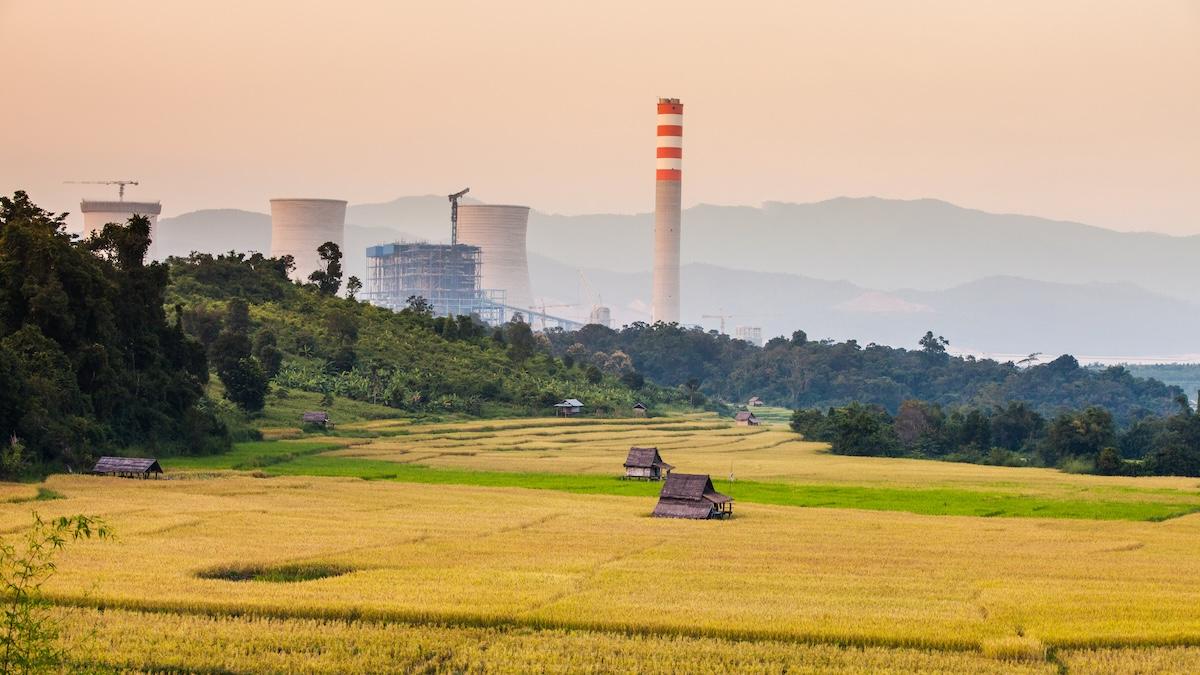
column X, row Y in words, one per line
column 499, row 232
column 667, row 193
column 98, row 214
column 300, row 226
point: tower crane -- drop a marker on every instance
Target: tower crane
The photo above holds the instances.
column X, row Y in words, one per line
column 722, row 316
column 119, row 183
column 454, row 213
column 544, row 307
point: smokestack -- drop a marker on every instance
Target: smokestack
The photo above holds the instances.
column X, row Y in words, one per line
column 667, row 192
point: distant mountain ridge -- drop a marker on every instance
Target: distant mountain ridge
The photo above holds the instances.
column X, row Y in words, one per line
column 990, row 282
column 995, row 314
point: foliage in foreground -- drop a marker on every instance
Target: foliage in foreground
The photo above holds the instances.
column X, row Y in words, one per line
column 29, row 638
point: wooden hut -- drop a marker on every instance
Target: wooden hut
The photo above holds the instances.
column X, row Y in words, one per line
column 127, row 467
column 646, row 464
column 568, row 408
column 639, row 409
column 317, row 418
column 746, row 418
column 690, row 495
column 754, row 402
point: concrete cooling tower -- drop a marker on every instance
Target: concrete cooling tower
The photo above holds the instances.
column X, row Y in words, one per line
column 499, row 232
column 667, row 193
column 98, row 214
column 300, row 226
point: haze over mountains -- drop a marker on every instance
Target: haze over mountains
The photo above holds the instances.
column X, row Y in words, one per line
column 875, row 270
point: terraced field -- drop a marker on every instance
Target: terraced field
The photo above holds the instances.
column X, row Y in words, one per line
column 446, row 562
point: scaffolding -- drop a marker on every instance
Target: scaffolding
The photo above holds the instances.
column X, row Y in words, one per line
column 447, row 276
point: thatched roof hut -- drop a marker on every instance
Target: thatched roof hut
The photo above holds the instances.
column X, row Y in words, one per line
column 646, row 464
column 689, row 495
column 746, row 418
column 317, row 417
column 127, row 467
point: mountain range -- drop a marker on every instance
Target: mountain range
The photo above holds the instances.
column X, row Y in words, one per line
column 871, row 269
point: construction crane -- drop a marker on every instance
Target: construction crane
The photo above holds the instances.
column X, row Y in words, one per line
column 454, row 214
column 119, row 183
column 544, row 307
column 721, row 316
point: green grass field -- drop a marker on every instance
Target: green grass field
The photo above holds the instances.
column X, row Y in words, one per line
column 305, row 458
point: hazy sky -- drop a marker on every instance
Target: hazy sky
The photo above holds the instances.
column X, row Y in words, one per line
column 1081, row 110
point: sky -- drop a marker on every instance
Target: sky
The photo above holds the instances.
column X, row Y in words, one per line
column 1084, row 110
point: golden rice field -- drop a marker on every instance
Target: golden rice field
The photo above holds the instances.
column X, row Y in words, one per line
column 495, row 579
column 465, row 578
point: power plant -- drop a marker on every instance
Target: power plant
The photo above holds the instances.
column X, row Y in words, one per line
column 300, row 226
column 484, row 270
column 97, row 214
column 499, row 232
column 667, row 199
column 447, row 276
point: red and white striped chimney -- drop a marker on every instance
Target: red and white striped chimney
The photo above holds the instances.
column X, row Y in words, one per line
column 667, row 193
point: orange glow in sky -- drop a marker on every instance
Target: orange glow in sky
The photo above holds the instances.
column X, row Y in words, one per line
column 1072, row 109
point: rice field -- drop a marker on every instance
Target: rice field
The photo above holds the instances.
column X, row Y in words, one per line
column 256, row 561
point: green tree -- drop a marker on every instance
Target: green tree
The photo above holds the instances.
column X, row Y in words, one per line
column 1109, row 462
column 811, row 424
column 632, row 379
column 1079, row 434
column 934, row 346
column 862, row 430
column 245, row 384
column 918, row 424
column 593, row 375
column 353, row 286
column 1016, row 426
column 237, row 316
column 521, row 344
column 328, row 279
column 266, row 350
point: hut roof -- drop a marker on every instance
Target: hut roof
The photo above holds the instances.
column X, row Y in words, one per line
column 315, row 416
column 744, row 415
column 692, row 487
column 639, row 406
column 645, row 458
column 127, row 465
column 569, row 403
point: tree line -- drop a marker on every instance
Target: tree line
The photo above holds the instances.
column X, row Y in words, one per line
column 797, row 372
column 1087, row 440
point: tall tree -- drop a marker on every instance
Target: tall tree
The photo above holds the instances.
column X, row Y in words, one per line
column 329, row 278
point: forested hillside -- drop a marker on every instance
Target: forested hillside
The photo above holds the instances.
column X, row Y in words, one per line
column 799, row 373
column 89, row 359
column 243, row 310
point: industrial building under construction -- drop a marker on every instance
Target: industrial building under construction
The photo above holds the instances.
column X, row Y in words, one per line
column 447, row 276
